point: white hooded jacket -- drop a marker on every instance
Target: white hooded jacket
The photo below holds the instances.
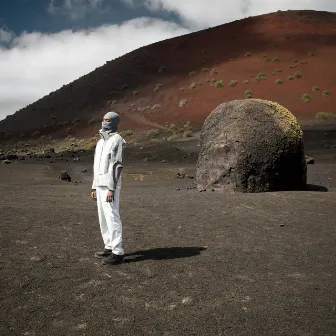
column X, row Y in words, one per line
column 108, row 160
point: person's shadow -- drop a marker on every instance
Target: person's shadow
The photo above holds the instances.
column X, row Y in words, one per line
column 163, row 253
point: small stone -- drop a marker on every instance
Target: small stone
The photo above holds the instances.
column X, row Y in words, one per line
column 12, row 157
column 6, row 161
column 64, row 176
column 84, row 171
column 163, row 161
column 282, row 224
column 309, row 160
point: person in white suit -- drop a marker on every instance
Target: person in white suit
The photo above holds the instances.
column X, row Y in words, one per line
column 107, row 168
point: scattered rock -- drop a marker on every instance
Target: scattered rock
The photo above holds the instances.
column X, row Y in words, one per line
column 49, row 151
column 64, row 176
column 163, row 161
column 180, row 175
column 75, row 159
column 84, row 171
column 309, row 160
column 11, row 157
column 6, row 161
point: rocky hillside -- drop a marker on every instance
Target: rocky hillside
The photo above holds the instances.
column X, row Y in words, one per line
column 287, row 57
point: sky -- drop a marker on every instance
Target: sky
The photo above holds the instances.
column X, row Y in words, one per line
column 45, row 44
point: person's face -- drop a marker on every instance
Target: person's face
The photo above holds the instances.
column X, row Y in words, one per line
column 107, row 119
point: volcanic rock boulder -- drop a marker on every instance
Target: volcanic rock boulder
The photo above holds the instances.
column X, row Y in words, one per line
column 251, row 145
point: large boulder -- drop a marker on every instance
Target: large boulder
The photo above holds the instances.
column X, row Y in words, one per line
column 251, row 145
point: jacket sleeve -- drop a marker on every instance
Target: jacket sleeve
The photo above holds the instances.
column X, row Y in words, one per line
column 116, row 164
column 94, row 179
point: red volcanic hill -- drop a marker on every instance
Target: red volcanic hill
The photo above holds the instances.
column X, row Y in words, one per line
column 279, row 57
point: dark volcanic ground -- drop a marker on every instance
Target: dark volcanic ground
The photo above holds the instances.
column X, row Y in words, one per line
column 198, row 263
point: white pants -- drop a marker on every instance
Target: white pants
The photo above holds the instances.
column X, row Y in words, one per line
column 109, row 220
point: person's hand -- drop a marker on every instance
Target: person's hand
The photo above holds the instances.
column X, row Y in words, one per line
column 110, row 196
column 93, row 195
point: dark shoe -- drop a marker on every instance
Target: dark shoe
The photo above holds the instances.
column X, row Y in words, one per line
column 103, row 254
column 113, row 259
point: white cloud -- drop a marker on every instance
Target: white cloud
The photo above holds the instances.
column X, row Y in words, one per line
column 36, row 64
column 199, row 14
column 5, row 35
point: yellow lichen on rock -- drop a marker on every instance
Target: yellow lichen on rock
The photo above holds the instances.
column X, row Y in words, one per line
column 284, row 119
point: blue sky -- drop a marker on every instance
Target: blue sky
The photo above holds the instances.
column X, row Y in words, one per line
column 45, row 44
column 51, row 17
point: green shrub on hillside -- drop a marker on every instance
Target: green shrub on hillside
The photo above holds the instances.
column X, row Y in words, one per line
column 326, row 93
column 152, row 133
column 192, row 73
column 279, row 81
column 246, row 81
column 172, row 137
column 298, row 74
column 315, row 88
column 290, row 77
column 248, row 54
column 188, row 134
column 214, row 71
column 158, row 87
column 126, row 133
column 306, row 98
column 311, row 53
column 205, row 70
column 276, row 59
column 248, row 94
column 219, row 84
column 233, row 83
column 325, row 115
column 260, row 77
